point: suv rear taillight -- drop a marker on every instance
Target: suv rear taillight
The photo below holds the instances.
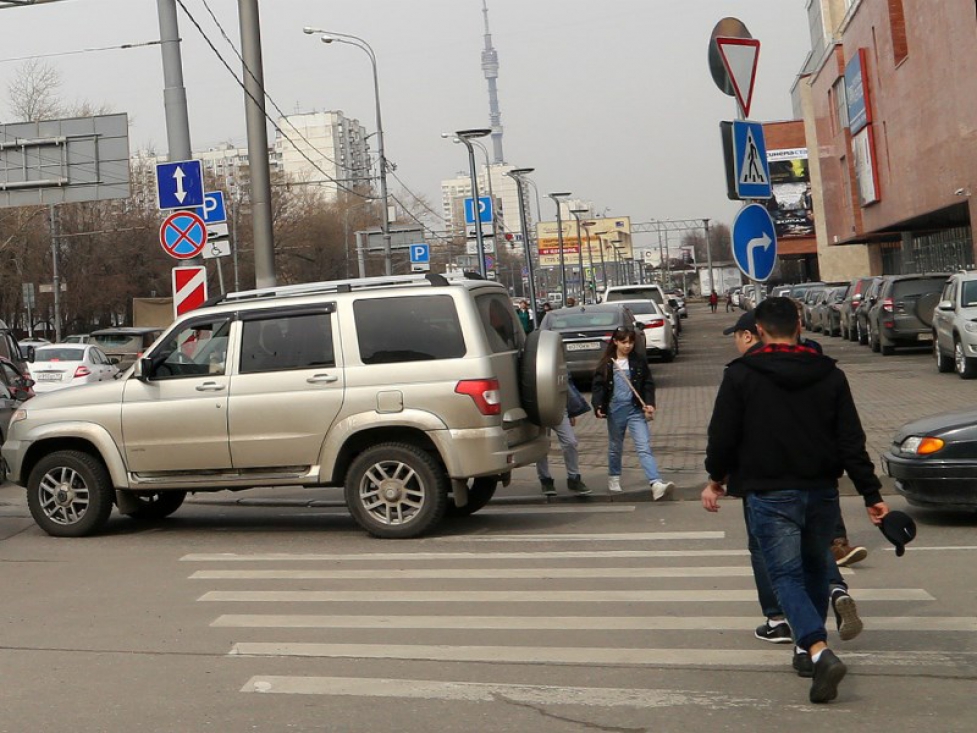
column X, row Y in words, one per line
column 81, row 371
column 484, row 393
column 887, row 304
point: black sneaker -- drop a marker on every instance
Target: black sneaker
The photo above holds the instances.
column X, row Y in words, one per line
column 828, row 672
column 548, row 486
column 802, row 664
column 846, row 615
column 779, row 634
column 577, row 486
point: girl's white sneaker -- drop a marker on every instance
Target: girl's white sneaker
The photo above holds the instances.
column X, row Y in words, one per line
column 614, row 484
column 660, row 489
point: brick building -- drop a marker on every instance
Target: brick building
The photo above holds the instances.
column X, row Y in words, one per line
column 887, row 97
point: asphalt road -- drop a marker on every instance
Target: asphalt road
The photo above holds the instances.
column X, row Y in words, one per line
column 278, row 614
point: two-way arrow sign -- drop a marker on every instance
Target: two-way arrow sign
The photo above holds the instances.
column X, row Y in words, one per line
column 179, row 184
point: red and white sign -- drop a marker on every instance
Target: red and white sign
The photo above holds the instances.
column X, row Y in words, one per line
column 183, row 235
column 189, row 289
column 740, row 57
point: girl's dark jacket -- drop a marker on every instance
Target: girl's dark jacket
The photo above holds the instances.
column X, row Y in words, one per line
column 785, row 419
column 638, row 371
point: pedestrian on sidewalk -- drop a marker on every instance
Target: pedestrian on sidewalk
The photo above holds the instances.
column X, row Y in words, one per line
column 729, row 300
column 713, row 300
column 784, row 428
column 525, row 316
column 576, row 405
column 623, row 393
column 775, row 628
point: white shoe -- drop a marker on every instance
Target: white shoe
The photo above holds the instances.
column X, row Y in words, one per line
column 614, row 484
column 661, row 489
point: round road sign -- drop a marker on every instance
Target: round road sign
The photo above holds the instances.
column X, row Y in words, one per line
column 183, row 235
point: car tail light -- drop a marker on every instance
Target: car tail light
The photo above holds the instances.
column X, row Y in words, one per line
column 887, row 304
column 657, row 323
column 484, row 393
column 82, row 371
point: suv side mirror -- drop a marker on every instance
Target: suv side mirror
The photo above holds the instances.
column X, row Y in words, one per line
column 944, row 305
column 142, row 368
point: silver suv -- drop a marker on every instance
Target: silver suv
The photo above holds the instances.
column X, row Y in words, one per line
column 418, row 395
column 955, row 326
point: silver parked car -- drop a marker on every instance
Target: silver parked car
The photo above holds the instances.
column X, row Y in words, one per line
column 418, row 395
column 660, row 340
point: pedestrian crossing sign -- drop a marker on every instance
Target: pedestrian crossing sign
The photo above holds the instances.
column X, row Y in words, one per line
column 752, row 172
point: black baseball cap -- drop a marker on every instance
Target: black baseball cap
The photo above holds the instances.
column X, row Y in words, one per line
column 900, row 529
column 746, row 322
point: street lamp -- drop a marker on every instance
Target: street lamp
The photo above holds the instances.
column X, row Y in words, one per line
column 466, row 137
column 557, row 198
column 590, row 254
column 347, row 38
column 488, row 171
column 576, row 215
column 517, row 174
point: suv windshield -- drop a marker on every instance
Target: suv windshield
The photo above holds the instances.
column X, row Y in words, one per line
column 968, row 294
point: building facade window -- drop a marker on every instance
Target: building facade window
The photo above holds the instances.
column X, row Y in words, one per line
column 897, row 25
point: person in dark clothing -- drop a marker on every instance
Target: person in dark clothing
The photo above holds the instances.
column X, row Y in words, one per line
column 775, row 628
column 784, row 429
column 623, row 392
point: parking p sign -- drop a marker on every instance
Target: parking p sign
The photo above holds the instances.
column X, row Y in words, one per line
column 420, row 257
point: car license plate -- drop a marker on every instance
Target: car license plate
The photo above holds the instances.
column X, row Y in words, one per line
column 589, row 346
column 924, row 337
column 49, row 377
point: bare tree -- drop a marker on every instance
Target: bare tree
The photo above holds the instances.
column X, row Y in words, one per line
column 33, row 93
column 719, row 240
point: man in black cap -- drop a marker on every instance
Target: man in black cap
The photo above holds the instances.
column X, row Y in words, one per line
column 775, row 628
column 784, row 428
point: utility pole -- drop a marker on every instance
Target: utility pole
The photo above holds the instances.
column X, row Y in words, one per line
column 254, row 105
column 712, row 281
column 56, row 276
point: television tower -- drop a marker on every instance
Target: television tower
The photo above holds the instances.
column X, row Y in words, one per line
column 490, row 67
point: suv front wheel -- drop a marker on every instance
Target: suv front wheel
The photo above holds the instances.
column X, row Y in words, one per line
column 396, row 491
column 70, row 494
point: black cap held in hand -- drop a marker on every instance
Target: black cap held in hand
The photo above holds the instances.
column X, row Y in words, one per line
column 900, row 529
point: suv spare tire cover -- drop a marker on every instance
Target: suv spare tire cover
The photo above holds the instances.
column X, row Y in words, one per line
column 543, row 378
column 925, row 305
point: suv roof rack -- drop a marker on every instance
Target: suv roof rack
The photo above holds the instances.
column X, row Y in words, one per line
column 435, row 279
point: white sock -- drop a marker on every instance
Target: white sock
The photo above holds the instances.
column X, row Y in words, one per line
column 773, row 623
column 816, row 657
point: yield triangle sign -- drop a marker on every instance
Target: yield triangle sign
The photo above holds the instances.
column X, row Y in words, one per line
column 740, row 56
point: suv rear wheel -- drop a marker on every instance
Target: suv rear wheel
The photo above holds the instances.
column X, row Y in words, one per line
column 156, row 505
column 396, row 491
column 480, row 492
column 943, row 362
column 69, row 494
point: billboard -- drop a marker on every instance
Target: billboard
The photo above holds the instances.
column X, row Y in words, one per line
column 790, row 206
column 608, row 237
column 856, row 93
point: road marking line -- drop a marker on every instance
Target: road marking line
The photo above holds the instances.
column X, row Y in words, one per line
column 678, row 657
column 585, row 537
column 914, row 624
column 475, row 573
column 480, row 557
column 535, row 695
column 529, row 596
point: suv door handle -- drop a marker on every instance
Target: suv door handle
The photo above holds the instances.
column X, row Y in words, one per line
column 322, row 379
column 210, row 387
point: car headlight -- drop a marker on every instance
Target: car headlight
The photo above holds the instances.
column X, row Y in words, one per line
column 19, row 415
column 921, row 445
column 970, row 327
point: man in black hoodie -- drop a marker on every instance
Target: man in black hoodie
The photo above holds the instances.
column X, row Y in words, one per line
column 784, row 428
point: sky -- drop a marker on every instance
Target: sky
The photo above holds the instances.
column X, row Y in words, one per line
column 609, row 99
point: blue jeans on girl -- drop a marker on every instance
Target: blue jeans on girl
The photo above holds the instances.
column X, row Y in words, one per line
column 625, row 417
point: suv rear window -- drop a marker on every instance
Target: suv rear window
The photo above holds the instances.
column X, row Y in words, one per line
column 111, row 341
column 921, row 286
column 502, row 328
column 418, row 328
column 636, row 294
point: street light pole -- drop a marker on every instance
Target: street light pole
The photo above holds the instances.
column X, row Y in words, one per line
column 583, row 289
column 466, row 137
column 517, row 174
column 349, row 39
column 557, row 197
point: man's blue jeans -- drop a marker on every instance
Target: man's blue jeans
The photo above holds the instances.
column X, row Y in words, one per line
column 625, row 417
column 794, row 530
column 764, row 589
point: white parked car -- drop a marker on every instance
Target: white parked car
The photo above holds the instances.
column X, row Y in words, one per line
column 56, row 366
column 660, row 341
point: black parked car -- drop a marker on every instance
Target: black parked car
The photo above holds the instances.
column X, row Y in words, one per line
column 903, row 312
column 934, row 461
column 862, row 309
column 853, row 298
